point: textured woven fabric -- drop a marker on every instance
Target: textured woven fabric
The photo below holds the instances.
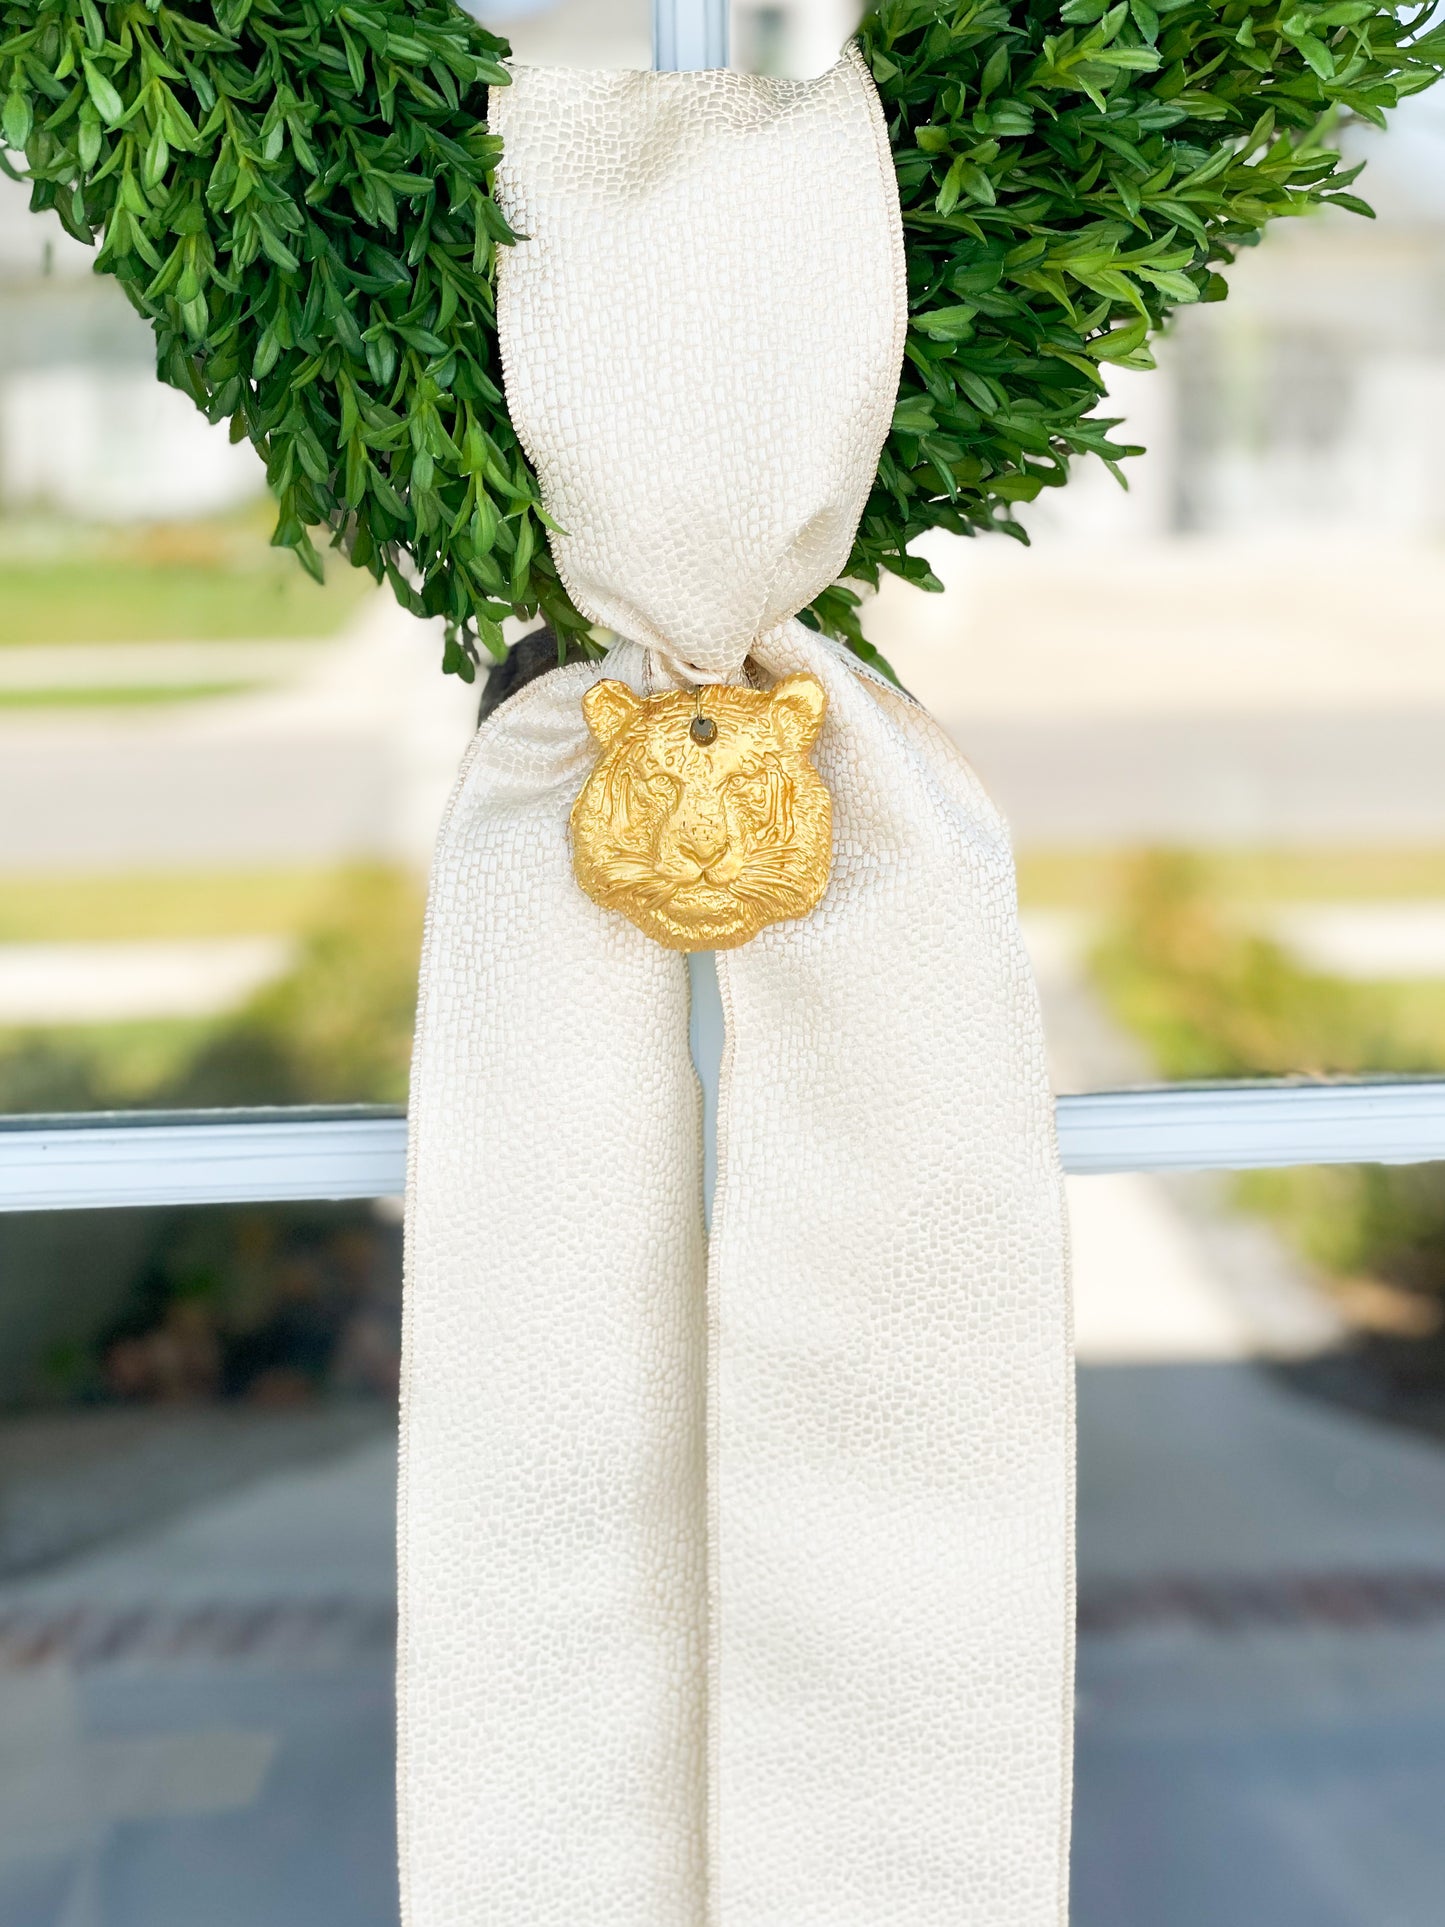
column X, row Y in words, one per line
column 737, row 1581
column 703, row 410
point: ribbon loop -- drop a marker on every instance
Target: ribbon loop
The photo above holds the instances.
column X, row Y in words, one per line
column 704, row 414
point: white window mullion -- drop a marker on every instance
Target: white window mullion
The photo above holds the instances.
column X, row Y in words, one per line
column 230, row 1157
column 689, row 35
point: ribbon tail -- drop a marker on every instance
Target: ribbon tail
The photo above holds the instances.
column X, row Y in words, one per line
column 892, row 1408
column 552, row 1520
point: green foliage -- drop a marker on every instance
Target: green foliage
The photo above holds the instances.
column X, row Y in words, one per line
column 297, row 193
column 1384, row 1221
column 336, row 1029
column 1069, row 178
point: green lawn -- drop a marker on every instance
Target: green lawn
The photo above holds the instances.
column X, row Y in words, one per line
column 1086, row 879
column 208, row 903
column 120, row 695
column 212, row 581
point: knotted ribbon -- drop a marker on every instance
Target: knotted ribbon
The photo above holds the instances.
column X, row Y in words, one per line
column 736, row 1571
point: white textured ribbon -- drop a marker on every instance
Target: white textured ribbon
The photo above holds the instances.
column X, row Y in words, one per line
column 737, row 1582
column 702, row 343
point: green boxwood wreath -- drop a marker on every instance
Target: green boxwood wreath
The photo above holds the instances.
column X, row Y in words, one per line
column 296, row 194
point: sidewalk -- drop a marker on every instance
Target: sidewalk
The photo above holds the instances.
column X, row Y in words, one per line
column 208, row 1736
column 352, row 756
column 1276, row 1755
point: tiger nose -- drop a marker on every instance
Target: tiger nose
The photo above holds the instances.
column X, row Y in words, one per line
column 704, row 843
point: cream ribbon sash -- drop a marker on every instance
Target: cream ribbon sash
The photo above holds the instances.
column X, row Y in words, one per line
column 736, row 1574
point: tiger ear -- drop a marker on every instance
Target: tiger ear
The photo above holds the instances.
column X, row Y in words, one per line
column 609, row 707
column 796, row 710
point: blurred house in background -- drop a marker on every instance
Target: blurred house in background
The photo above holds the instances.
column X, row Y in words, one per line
column 85, row 428
column 1311, row 403
column 790, row 36
column 1313, row 399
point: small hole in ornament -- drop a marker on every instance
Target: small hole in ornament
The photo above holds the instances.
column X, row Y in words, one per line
column 703, row 730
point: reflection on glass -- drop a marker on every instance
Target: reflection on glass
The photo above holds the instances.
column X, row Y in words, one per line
column 1212, row 710
column 197, row 1598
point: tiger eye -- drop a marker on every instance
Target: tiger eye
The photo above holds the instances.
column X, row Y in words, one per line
column 703, row 730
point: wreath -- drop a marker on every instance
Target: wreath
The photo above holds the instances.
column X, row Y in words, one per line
column 297, row 195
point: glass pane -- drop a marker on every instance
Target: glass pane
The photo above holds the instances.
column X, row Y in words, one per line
column 197, row 1591
column 219, row 782
column 196, row 1567
column 1262, row 1560
column 1211, row 709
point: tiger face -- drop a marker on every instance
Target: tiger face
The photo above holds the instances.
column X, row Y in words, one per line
column 703, row 819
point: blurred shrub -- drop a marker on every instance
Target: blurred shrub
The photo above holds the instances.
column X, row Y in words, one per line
column 274, row 1304
column 336, row 1029
column 95, row 1067
column 1211, row 999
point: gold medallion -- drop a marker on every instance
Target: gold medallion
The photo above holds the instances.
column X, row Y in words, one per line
column 703, row 819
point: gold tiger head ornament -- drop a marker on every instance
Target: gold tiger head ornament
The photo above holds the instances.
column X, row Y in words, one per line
column 703, row 819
